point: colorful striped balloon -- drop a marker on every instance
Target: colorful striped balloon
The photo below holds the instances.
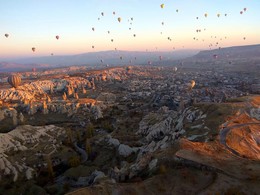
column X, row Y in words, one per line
column 14, row 80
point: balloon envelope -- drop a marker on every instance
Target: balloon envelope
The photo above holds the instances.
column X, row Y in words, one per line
column 192, row 83
column 14, row 80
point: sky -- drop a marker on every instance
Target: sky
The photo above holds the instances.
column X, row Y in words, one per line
column 36, row 23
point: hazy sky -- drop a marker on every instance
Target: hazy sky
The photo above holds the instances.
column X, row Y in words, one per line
column 35, row 23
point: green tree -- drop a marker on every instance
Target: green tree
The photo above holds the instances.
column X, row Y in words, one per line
column 88, row 147
column 90, row 130
column 69, row 135
column 49, row 165
column 74, row 161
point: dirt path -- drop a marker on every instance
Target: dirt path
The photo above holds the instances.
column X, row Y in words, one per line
column 225, row 131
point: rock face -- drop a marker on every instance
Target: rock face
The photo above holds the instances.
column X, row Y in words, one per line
column 255, row 113
column 40, row 88
column 97, row 112
column 125, row 150
column 27, row 140
column 160, row 129
column 106, row 97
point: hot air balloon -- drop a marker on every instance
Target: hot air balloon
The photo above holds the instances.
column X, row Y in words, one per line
column 114, row 13
column 218, row 15
column 162, row 5
column 57, row 37
column 14, row 80
column 121, row 57
column 241, row 12
column 112, row 40
column 177, row 10
column 108, row 32
column 6, row 35
column 192, row 84
column 33, row 49
column 93, row 28
column 134, row 35
column 102, row 13
column 162, row 23
column 132, row 19
column 119, row 19
column 197, row 18
column 206, row 15
column 244, row 38
column 245, row 9
column 225, row 14
column 93, row 46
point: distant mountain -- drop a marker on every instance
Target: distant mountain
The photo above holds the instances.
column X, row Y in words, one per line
column 239, row 58
column 12, row 66
column 94, row 58
column 248, row 51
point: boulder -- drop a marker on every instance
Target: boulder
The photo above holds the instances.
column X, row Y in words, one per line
column 125, row 150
